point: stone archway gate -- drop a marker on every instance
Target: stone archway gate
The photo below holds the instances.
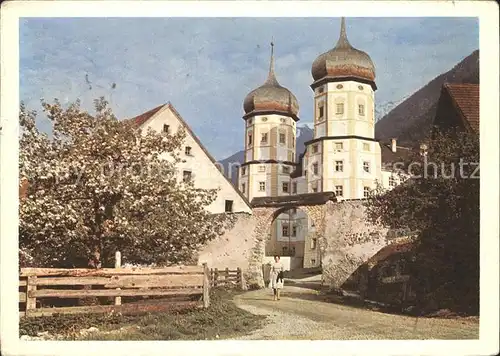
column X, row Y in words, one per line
column 266, row 209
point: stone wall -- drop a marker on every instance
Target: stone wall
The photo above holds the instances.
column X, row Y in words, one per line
column 348, row 241
column 233, row 248
column 345, row 240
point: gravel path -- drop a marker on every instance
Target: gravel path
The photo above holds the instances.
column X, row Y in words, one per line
column 301, row 314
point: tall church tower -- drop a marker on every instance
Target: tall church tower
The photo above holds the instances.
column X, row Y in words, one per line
column 270, row 118
column 343, row 156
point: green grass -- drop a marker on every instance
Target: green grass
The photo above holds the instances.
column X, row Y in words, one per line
column 221, row 320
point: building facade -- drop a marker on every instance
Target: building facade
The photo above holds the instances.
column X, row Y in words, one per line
column 197, row 165
column 343, row 157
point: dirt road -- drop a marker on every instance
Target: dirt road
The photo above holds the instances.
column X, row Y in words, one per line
column 303, row 314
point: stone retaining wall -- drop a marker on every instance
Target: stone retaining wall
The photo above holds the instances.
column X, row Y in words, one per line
column 345, row 239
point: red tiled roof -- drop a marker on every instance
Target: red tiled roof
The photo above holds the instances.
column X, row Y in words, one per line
column 142, row 118
column 466, row 99
column 390, row 250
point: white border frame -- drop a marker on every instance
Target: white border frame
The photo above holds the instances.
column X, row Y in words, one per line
column 487, row 11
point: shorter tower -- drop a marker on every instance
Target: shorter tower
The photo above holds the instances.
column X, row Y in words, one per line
column 270, row 125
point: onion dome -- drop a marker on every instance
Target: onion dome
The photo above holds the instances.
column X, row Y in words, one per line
column 271, row 96
column 343, row 61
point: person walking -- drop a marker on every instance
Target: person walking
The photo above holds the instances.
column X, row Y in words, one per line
column 276, row 277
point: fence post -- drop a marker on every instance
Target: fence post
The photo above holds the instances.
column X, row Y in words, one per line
column 240, row 281
column 206, row 286
column 216, row 277
column 226, row 279
column 118, row 264
column 30, row 301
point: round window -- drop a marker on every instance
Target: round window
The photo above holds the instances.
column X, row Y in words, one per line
column 340, row 86
column 360, row 87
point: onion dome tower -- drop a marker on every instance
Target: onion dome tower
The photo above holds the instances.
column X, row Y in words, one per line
column 343, row 62
column 271, row 97
column 271, row 113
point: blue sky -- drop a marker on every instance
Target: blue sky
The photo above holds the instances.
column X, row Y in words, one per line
column 206, row 66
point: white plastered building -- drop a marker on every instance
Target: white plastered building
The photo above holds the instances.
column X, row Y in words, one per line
column 197, row 164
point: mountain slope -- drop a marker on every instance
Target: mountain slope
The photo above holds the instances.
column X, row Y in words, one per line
column 410, row 121
column 304, row 134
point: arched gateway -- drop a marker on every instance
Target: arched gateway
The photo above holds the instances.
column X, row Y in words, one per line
column 267, row 209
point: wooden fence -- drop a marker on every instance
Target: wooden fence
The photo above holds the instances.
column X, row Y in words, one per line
column 178, row 287
column 226, row 278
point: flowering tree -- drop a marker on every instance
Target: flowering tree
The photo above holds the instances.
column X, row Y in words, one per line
column 99, row 185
